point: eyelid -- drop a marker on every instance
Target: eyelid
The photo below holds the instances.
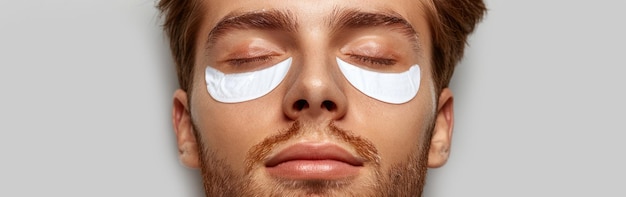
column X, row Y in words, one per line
column 249, row 47
column 373, row 60
column 371, row 46
column 242, row 61
column 252, row 52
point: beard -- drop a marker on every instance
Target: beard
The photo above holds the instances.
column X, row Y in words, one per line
column 406, row 178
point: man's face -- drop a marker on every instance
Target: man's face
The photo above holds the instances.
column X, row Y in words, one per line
column 315, row 133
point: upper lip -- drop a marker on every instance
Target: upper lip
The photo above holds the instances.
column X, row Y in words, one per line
column 314, row 151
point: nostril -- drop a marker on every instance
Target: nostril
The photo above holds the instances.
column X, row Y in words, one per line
column 329, row 105
column 300, row 104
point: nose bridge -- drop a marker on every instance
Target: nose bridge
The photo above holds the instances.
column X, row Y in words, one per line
column 315, row 92
column 317, row 72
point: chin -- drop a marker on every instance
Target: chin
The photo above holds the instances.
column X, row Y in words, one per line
column 364, row 183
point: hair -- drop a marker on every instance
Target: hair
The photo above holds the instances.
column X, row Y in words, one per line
column 451, row 21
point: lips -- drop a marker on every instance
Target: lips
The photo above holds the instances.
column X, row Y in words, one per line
column 314, row 161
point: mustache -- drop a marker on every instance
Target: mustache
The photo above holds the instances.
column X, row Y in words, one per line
column 259, row 152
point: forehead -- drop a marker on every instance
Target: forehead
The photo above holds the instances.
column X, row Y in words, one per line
column 313, row 13
column 216, row 8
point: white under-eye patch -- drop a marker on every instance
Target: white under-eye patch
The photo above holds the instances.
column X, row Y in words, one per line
column 395, row 88
column 240, row 87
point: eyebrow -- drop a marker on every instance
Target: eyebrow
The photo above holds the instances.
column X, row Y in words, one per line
column 265, row 19
column 354, row 19
column 339, row 19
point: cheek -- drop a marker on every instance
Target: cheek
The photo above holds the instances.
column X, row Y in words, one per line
column 402, row 134
column 230, row 130
column 397, row 131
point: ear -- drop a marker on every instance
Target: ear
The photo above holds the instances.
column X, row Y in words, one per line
column 185, row 138
column 442, row 132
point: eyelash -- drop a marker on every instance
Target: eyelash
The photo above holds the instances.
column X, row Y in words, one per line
column 374, row 61
column 364, row 59
column 242, row 61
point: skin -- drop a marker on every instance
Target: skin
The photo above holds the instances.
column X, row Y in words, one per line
column 227, row 132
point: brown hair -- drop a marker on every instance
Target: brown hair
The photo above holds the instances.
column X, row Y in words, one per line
column 182, row 23
column 451, row 21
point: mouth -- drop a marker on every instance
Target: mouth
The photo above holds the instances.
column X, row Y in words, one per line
column 314, row 161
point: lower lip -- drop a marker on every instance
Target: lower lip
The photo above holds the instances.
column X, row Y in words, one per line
column 313, row 170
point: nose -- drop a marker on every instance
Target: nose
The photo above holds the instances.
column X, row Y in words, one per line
column 315, row 93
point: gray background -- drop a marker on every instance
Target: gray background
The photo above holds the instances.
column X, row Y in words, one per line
column 86, row 92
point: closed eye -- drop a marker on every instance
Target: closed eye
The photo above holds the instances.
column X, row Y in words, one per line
column 245, row 61
column 374, row 61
